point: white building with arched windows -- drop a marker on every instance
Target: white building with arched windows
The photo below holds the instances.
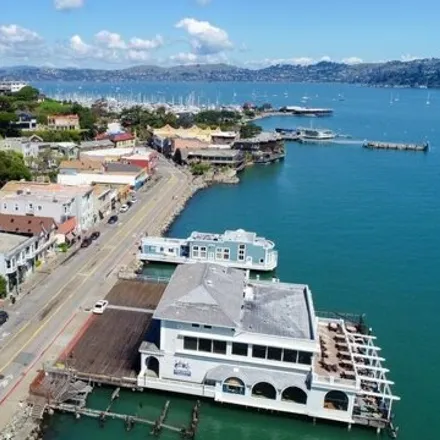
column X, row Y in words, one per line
column 218, row 334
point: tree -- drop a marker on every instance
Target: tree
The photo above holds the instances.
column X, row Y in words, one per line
column 12, row 167
column 3, row 287
column 177, row 158
column 7, row 129
column 27, row 93
column 250, row 130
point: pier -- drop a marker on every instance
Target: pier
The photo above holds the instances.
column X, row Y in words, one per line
column 373, row 145
column 102, row 415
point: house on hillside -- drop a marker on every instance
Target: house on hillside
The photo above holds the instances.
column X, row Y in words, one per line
column 63, row 122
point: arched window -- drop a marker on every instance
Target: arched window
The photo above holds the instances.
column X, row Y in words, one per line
column 336, row 400
column 294, row 394
column 152, row 365
column 264, row 390
column 233, row 385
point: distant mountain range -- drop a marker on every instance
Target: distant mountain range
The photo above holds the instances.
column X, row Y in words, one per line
column 417, row 73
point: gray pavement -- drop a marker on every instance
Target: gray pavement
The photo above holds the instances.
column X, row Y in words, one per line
column 40, row 318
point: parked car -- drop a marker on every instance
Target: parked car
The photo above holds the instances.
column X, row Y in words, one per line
column 86, row 242
column 95, row 235
column 123, row 208
column 100, row 306
column 113, row 219
column 134, row 200
column 129, row 203
column 3, row 317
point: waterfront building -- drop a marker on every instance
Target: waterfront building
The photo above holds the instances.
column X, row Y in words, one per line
column 24, row 241
column 239, row 248
column 260, row 344
column 207, row 135
column 56, row 201
column 264, row 148
column 217, row 157
column 7, row 87
column 87, row 171
column 63, row 122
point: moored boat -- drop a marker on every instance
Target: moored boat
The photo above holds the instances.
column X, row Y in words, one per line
column 239, row 249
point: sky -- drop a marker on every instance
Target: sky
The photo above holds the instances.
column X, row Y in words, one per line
column 250, row 33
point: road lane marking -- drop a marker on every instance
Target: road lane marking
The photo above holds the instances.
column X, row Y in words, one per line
column 86, row 277
column 86, row 263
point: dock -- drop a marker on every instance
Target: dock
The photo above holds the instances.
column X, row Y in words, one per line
column 373, row 145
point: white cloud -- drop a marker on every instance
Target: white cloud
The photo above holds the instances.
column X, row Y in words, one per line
column 325, row 58
column 68, row 4
column 20, row 43
column 13, row 34
column 184, row 58
column 352, row 60
column 110, row 47
column 138, row 55
column 407, row 57
column 110, row 40
column 79, row 47
column 206, row 38
column 140, row 44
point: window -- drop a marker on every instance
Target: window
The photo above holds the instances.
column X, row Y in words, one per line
column 259, row 351
column 205, row 345
column 5, row 206
column 219, row 347
column 239, row 349
column 189, row 343
column 39, row 208
column 31, row 206
column 305, row 358
column 261, row 260
column 195, row 252
column 207, row 326
column 203, row 253
column 8, row 264
column 226, row 254
column 241, row 252
column 16, row 207
column 195, row 325
column 218, row 253
column 290, row 355
column 274, row 354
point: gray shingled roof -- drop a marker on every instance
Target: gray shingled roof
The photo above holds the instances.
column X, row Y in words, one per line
column 204, row 294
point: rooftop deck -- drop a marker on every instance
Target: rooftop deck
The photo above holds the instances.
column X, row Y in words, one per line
column 350, row 357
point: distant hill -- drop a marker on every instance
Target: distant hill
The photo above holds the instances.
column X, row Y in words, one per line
column 393, row 73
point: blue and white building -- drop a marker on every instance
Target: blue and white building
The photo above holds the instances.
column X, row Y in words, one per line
column 260, row 344
column 240, row 249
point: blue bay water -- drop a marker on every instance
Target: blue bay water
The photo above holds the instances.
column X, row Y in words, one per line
column 360, row 227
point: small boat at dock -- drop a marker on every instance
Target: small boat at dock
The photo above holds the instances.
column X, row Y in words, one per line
column 315, row 134
column 374, row 145
column 307, row 111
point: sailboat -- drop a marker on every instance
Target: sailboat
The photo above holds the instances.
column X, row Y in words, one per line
column 396, row 99
column 391, row 99
column 428, row 99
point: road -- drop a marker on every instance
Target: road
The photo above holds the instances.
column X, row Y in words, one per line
column 83, row 279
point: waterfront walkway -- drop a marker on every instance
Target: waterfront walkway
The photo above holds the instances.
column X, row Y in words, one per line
column 43, row 322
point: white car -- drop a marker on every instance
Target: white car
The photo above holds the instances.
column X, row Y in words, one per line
column 123, row 208
column 100, row 306
column 134, row 200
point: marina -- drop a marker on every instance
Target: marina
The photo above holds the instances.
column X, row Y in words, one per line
column 239, row 249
